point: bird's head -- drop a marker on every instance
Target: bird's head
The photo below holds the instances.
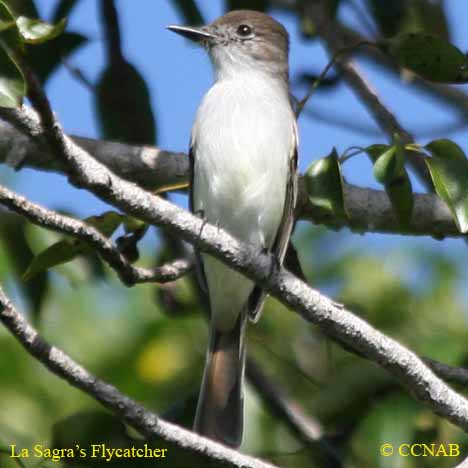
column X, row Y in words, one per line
column 243, row 40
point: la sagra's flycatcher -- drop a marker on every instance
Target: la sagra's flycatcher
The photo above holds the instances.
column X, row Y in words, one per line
column 243, row 156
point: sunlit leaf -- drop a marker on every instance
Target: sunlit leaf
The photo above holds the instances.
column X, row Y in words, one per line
column 68, row 249
column 324, row 185
column 34, row 31
column 450, row 178
column 12, row 84
column 105, row 223
column 429, row 56
column 387, row 165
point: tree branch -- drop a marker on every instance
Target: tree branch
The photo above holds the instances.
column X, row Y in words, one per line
column 155, row 169
column 382, row 115
column 128, row 273
column 370, row 210
column 458, row 375
column 146, row 422
column 337, row 322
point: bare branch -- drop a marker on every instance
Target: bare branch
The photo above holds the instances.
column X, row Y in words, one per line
column 149, row 167
column 146, row 422
column 128, row 273
column 338, row 323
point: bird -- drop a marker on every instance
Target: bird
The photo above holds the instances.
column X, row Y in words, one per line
column 243, row 178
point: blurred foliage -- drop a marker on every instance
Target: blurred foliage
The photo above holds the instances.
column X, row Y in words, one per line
column 157, row 357
column 152, row 346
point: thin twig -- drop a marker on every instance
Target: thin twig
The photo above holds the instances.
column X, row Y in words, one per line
column 382, row 115
column 458, row 375
column 128, row 273
column 336, row 57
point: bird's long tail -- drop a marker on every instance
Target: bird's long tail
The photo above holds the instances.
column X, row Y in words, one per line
column 220, row 406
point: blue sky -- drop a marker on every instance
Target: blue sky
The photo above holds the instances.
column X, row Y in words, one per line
column 179, row 74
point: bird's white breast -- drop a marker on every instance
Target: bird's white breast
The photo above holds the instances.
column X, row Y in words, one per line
column 242, row 137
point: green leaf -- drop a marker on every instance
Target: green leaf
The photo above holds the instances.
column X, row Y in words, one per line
column 190, row 11
column 15, row 242
column 45, row 58
column 400, row 192
column 123, row 105
column 58, row 253
column 106, row 223
column 34, row 31
column 388, row 15
column 426, row 16
column 324, row 185
column 450, row 178
column 68, row 249
column 403, row 16
column 446, row 149
column 332, row 7
column 132, row 224
column 23, row 7
column 429, row 56
column 63, row 9
column 12, row 84
column 388, row 165
column 389, row 170
column 9, row 33
column 374, row 151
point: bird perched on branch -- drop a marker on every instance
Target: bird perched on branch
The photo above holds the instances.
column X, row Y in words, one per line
column 243, row 157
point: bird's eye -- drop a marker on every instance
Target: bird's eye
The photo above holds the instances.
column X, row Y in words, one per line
column 244, row 30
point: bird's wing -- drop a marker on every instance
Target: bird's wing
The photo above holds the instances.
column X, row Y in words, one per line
column 198, row 261
column 285, row 228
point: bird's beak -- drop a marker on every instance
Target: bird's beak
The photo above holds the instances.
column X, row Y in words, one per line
column 194, row 34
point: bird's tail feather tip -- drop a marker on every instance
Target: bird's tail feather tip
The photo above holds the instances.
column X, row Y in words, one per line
column 220, row 406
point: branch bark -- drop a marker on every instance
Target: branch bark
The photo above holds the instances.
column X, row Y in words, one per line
column 337, row 322
column 157, row 170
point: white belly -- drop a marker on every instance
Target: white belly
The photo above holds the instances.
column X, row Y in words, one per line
column 242, row 140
